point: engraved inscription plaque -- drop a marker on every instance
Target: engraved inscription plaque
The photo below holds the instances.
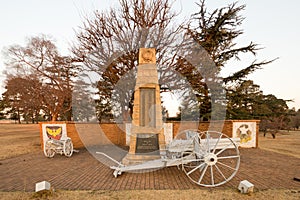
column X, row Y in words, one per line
column 147, row 143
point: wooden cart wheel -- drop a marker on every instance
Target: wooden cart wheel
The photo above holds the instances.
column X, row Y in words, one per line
column 68, row 147
column 214, row 160
column 48, row 151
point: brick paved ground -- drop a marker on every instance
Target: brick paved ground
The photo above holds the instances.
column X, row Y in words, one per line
column 82, row 171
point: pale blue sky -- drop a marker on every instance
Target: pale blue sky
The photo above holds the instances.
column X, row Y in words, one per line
column 271, row 23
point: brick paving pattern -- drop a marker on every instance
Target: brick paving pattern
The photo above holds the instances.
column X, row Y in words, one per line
column 266, row 170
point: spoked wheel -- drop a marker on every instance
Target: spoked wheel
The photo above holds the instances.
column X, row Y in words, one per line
column 214, row 160
column 48, row 151
column 68, row 147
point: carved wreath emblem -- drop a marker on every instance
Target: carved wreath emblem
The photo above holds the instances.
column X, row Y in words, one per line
column 148, row 56
column 244, row 133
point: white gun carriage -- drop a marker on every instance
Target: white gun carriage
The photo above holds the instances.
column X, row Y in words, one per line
column 208, row 158
column 52, row 146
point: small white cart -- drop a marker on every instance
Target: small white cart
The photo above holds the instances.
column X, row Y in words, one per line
column 52, row 146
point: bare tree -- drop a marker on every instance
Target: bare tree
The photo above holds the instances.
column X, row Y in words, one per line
column 109, row 43
column 39, row 58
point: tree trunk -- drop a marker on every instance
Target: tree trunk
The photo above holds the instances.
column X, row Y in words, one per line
column 273, row 135
column 54, row 117
column 19, row 117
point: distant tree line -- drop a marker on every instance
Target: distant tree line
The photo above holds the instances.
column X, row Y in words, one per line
column 40, row 82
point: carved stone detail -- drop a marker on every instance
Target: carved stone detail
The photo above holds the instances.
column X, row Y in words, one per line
column 147, row 55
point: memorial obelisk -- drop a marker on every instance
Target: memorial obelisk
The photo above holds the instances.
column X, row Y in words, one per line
column 147, row 141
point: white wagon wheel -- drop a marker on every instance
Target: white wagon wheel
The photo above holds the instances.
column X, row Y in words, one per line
column 48, row 150
column 68, row 147
column 214, row 160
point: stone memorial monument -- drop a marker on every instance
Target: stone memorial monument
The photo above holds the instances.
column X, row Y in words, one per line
column 147, row 140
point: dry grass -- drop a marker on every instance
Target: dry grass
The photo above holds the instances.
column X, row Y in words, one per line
column 156, row 194
column 287, row 143
column 18, row 139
